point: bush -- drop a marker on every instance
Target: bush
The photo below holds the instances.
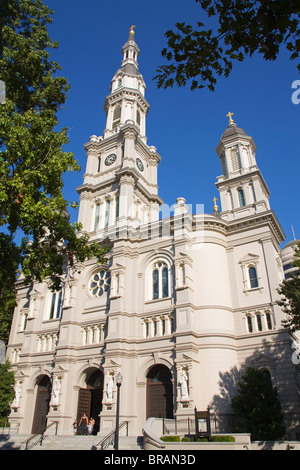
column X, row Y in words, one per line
column 170, row 438
column 217, row 438
column 222, row 438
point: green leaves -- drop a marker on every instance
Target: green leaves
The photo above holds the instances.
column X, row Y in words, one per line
column 32, row 160
column 199, row 55
column 257, row 406
column 290, row 300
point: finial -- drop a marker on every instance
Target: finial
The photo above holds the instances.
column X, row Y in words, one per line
column 131, row 32
column 229, row 115
column 215, row 204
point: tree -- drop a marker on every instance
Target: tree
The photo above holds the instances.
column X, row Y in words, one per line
column 244, row 27
column 32, row 160
column 257, row 406
column 289, row 289
column 7, row 393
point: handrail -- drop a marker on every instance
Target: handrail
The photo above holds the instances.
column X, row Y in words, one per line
column 110, row 438
column 154, row 443
column 40, row 439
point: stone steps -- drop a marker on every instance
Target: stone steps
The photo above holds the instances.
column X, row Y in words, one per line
column 14, row 442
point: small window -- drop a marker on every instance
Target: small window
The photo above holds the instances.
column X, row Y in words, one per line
column 97, row 214
column 249, row 323
column 138, row 118
column 241, row 195
column 116, row 116
column 117, row 206
column 258, row 321
column 253, row 277
column 119, row 82
column 269, row 320
column 107, row 210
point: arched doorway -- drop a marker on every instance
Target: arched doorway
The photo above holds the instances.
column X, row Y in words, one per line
column 159, row 392
column 43, row 398
column 90, row 398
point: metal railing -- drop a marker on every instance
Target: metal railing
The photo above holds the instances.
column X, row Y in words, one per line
column 111, row 437
column 38, row 437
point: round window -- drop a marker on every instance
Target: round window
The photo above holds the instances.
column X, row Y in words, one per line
column 100, row 283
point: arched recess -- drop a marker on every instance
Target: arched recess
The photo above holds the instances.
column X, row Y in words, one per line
column 90, row 396
column 159, row 401
column 42, row 403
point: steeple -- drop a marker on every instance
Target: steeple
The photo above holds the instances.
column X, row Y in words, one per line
column 126, row 101
column 120, row 191
column 242, row 188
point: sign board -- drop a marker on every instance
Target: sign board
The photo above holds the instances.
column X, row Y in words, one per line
column 202, row 423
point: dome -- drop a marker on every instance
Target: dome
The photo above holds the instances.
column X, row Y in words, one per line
column 291, row 243
column 233, row 129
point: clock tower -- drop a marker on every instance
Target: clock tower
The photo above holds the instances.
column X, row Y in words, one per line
column 120, row 189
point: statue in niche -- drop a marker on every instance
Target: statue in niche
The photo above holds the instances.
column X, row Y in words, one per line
column 56, row 390
column 109, row 387
column 183, row 380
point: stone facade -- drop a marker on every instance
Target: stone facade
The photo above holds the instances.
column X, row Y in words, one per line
column 184, row 303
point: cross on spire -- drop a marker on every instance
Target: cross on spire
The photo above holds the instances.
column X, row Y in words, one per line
column 229, row 115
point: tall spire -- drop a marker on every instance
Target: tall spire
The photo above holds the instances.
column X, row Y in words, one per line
column 126, row 101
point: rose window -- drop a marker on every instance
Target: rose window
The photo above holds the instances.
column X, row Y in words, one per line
column 100, row 283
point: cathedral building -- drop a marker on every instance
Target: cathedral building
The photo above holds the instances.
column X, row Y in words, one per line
column 184, row 303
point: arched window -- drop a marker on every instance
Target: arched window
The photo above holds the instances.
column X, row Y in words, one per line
column 241, row 196
column 267, row 374
column 160, row 280
column 249, row 323
column 116, row 116
column 56, row 304
column 253, row 277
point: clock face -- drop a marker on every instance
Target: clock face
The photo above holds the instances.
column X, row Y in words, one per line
column 110, row 159
column 139, row 164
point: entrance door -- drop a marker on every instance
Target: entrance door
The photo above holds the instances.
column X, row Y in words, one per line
column 41, row 405
column 90, row 399
column 159, row 393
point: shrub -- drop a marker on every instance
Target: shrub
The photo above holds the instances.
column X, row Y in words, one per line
column 170, row 438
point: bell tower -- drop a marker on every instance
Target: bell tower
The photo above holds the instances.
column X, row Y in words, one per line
column 242, row 188
column 120, row 183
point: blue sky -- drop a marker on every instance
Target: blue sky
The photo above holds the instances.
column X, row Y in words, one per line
column 185, row 126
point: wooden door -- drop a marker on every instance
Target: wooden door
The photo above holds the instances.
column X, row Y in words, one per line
column 159, row 393
column 84, row 403
column 41, row 405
